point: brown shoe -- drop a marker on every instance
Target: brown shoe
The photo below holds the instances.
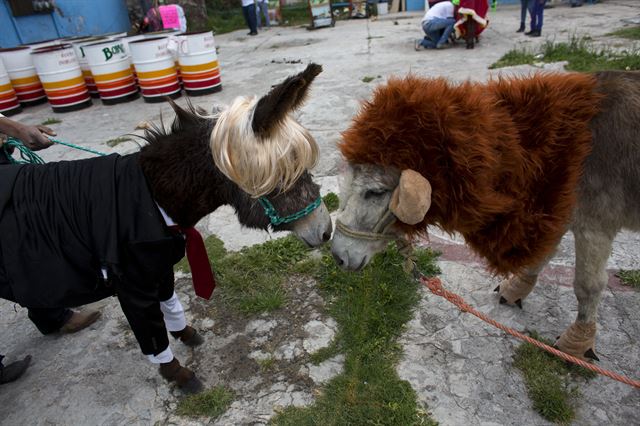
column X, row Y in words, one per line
column 184, row 378
column 13, row 371
column 80, row 320
column 189, row 336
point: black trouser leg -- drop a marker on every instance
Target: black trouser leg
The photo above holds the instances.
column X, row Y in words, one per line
column 49, row 320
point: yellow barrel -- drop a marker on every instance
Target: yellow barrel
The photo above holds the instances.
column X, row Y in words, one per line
column 111, row 70
column 156, row 69
column 199, row 65
column 9, row 104
column 23, row 75
column 61, row 77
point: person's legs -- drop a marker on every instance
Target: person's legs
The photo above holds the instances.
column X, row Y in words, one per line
column 427, row 42
column 249, row 13
column 523, row 14
column 264, row 8
column 439, row 30
column 52, row 320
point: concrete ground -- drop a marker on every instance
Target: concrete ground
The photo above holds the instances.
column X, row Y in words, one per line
column 459, row 367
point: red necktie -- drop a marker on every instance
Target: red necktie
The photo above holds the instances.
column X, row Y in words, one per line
column 201, row 273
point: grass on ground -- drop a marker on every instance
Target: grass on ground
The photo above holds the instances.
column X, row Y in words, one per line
column 331, row 201
column 632, row 33
column 50, row 121
column 210, row 403
column 371, row 308
column 225, row 21
column 117, row 141
column 580, row 53
column 549, row 381
column 630, row 278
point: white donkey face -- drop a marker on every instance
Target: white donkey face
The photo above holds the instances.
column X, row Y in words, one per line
column 364, row 199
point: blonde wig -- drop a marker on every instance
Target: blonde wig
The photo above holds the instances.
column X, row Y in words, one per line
column 260, row 164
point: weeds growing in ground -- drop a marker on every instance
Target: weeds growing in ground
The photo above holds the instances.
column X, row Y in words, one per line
column 632, row 33
column 210, row 403
column 549, row 381
column 371, row 308
column 117, row 141
column 580, row 53
column 630, row 278
column 50, row 121
column 331, row 201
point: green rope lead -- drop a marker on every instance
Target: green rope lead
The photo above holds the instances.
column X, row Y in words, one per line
column 27, row 156
column 81, row 148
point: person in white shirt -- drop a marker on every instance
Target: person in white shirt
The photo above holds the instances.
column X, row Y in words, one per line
column 263, row 6
column 249, row 12
column 437, row 25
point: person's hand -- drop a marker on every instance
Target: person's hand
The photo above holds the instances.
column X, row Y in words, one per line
column 34, row 137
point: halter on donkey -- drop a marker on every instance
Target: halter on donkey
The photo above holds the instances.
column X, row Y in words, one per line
column 65, row 224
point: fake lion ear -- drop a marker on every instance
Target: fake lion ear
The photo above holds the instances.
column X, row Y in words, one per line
column 411, row 200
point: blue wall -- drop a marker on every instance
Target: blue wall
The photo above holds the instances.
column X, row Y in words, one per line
column 74, row 18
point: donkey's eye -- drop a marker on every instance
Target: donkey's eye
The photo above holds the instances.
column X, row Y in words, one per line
column 374, row 193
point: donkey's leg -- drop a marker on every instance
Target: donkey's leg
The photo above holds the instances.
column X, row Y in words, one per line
column 516, row 288
column 593, row 248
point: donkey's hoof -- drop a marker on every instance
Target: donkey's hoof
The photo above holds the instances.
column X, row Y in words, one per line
column 579, row 340
column 514, row 290
column 591, row 354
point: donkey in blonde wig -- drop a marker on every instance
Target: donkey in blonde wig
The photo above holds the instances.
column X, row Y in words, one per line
column 258, row 145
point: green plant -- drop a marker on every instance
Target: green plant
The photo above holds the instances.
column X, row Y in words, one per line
column 632, row 33
column 211, row 403
column 548, row 380
column 50, row 121
column 331, row 201
column 117, row 141
column 630, row 278
column 367, row 79
column 371, row 308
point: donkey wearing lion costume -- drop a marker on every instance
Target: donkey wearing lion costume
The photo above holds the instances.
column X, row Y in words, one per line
column 511, row 165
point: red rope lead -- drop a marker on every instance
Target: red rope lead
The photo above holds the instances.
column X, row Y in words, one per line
column 435, row 286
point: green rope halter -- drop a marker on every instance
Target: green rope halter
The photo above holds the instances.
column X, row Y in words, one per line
column 275, row 218
column 27, row 156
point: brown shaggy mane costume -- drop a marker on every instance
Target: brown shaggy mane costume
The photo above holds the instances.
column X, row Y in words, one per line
column 503, row 158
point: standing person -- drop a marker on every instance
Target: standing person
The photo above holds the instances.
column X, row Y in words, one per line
column 524, row 6
column 263, row 7
column 536, row 12
column 152, row 20
column 249, row 12
column 437, row 25
column 46, row 320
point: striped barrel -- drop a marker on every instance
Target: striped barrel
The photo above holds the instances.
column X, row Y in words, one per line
column 61, row 77
column 78, row 47
column 125, row 41
column 23, row 75
column 171, row 33
column 111, row 69
column 199, row 65
column 156, row 69
column 9, row 104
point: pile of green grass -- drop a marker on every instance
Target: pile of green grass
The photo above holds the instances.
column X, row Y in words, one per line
column 331, row 201
column 630, row 278
column 251, row 280
column 549, row 381
column 371, row 308
column 50, row 121
column 210, row 403
column 580, row 52
column 226, row 20
column 632, row 33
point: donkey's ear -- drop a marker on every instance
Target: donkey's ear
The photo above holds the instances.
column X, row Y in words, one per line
column 412, row 198
column 283, row 98
column 185, row 117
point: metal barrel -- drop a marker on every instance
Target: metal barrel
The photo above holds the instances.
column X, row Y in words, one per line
column 78, row 48
column 199, row 66
column 156, row 69
column 111, row 69
column 9, row 104
column 23, row 75
column 61, row 77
